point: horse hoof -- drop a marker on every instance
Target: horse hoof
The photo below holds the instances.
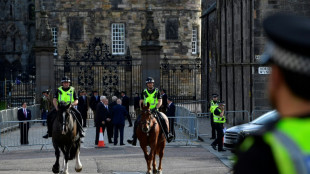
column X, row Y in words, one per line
column 159, row 172
column 55, row 168
column 78, row 170
column 155, row 171
column 149, row 172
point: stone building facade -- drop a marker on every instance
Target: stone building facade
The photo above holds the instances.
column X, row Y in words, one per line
column 17, row 36
column 232, row 42
column 75, row 23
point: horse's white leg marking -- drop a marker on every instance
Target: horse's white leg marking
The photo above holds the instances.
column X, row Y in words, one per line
column 65, row 171
column 63, row 165
column 63, row 122
column 78, row 164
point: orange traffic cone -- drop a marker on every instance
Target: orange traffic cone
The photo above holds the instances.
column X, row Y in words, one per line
column 101, row 139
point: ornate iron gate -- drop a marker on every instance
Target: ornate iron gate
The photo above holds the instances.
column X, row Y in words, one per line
column 97, row 69
column 181, row 79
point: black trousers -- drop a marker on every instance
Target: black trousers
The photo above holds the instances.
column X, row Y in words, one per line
column 212, row 127
column 220, row 134
column 171, row 126
column 98, row 132
column 24, row 129
column 109, row 127
column 119, row 128
column 129, row 119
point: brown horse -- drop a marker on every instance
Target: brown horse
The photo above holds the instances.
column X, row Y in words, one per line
column 150, row 134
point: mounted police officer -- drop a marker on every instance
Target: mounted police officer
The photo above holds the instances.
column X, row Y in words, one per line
column 67, row 94
column 151, row 95
column 213, row 106
column 284, row 145
column 219, row 120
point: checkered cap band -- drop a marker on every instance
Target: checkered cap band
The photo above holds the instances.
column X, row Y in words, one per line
column 288, row 59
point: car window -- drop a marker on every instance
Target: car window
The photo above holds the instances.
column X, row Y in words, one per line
column 266, row 118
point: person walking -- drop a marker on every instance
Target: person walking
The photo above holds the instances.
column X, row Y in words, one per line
column 152, row 96
column 219, row 120
column 102, row 117
column 125, row 103
column 94, row 100
column 213, row 105
column 45, row 105
column 119, row 113
column 67, row 94
column 137, row 104
column 23, row 115
column 283, row 146
column 171, row 114
column 83, row 106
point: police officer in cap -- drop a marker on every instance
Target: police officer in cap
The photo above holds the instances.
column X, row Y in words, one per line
column 213, row 105
column 67, row 94
column 219, row 120
column 151, row 95
column 283, row 146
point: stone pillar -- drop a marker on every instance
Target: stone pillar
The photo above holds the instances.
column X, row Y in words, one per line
column 150, row 50
column 43, row 50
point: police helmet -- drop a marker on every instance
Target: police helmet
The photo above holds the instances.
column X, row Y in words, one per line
column 149, row 80
column 65, row 79
column 215, row 95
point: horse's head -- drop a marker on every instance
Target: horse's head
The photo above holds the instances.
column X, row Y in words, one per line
column 147, row 119
column 63, row 115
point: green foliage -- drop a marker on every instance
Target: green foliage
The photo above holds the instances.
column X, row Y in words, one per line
column 3, row 105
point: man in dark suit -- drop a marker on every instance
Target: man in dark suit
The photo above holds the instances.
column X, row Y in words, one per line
column 83, row 106
column 125, row 103
column 102, row 116
column 119, row 113
column 94, row 100
column 24, row 114
column 163, row 107
column 110, row 125
column 171, row 113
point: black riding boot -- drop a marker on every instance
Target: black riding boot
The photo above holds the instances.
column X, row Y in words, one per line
column 163, row 124
column 50, row 119
column 79, row 119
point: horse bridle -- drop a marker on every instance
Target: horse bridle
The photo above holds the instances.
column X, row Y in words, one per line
column 149, row 122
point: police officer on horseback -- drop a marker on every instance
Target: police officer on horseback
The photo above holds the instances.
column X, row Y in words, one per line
column 67, row 94
column 152, row 96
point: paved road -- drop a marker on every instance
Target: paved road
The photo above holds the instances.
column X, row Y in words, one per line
column 179, row 158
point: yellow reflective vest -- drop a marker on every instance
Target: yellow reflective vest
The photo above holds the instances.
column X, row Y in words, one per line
column 150, row 98
column 218, row 118
column 66, row 96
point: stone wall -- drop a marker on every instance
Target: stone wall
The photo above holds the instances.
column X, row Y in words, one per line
column 241, row 41
column 78, row 22
column 94, row 18
column 17, row 35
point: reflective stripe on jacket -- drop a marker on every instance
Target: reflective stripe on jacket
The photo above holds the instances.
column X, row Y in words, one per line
column 150, row 98
column 289, row 144
column 218, row 118
column 213, row 106
column 66, row 96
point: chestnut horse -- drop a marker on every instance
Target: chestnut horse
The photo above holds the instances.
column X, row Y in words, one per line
column 150, row 134
column 65, row 138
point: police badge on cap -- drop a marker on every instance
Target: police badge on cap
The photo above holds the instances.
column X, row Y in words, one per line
column 289, row 42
